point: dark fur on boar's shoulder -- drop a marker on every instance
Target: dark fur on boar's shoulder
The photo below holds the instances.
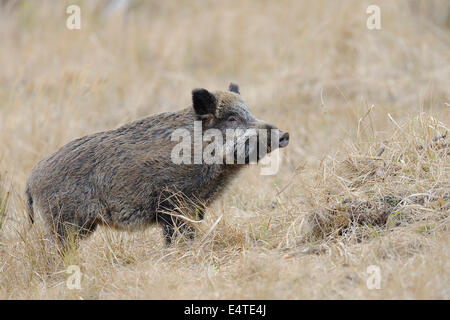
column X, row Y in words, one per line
column 125, row 178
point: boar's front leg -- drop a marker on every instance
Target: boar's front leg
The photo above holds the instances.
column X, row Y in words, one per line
column 172, row 226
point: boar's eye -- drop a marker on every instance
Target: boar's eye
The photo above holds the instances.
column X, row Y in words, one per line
column 232, row 119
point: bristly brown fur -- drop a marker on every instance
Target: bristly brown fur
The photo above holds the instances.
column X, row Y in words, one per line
column 124, row 178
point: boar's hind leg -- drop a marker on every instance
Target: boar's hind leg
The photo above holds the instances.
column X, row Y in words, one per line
column 67, row 227
column 67, row 233
column 172, row 224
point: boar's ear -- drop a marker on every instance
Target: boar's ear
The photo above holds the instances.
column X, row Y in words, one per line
column 234, row 88
column 204, row 102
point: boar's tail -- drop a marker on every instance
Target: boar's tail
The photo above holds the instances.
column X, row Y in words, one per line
column 29, row 204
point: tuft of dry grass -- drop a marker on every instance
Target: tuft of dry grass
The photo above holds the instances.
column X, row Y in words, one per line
column 364, row 182
column 405, row 182
column 4, row 197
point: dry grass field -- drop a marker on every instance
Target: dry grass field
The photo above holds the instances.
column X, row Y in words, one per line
column 364, row 182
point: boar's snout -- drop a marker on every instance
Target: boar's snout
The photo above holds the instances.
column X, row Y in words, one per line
column 284, row 139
